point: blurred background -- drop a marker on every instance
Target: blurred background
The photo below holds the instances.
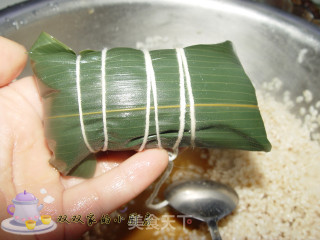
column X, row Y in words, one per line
column 307, row 9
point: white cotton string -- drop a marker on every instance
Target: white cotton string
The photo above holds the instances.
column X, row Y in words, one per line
column 149, row 202
column 182, row 100
column 146, row 131
column 103, row 83
column 80, row 104
column 190, row 94
column 151, row 78
column 155, row 96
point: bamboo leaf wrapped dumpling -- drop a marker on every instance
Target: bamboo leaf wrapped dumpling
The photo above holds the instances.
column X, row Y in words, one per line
column 128, row 99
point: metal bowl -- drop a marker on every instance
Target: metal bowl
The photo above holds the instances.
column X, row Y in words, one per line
column 270, row 43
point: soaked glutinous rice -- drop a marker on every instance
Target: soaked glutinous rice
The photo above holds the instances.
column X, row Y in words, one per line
column 279, row 191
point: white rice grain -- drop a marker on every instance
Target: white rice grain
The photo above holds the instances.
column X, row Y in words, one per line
column 308, row 96
column 279, row 191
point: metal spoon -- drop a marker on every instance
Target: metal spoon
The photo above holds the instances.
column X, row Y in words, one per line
column 204, row 200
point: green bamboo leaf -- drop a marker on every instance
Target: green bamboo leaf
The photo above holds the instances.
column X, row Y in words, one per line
column 79, row 115
column 85, row 169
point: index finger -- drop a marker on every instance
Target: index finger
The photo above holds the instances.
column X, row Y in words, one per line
column 111, row 190
column 13, row 58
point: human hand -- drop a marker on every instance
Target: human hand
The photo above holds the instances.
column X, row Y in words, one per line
column 24, row 159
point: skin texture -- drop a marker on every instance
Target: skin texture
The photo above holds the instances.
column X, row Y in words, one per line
column 24, row 156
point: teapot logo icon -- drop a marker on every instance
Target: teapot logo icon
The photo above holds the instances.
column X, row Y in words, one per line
column 25, row 207
column 26, row 218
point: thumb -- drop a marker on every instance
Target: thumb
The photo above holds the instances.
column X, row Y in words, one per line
column 13, row 58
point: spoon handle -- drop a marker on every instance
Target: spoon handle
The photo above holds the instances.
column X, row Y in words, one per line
column 214, row 231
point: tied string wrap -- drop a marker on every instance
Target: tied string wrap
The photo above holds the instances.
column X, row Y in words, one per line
column 184, row 75
column 103, row 96
column 104, row 104
column 77, row 122
column 151, row 85
column 184, row 80
column 78, row 85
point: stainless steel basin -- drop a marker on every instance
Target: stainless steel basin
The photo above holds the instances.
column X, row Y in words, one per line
column 268, row 41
